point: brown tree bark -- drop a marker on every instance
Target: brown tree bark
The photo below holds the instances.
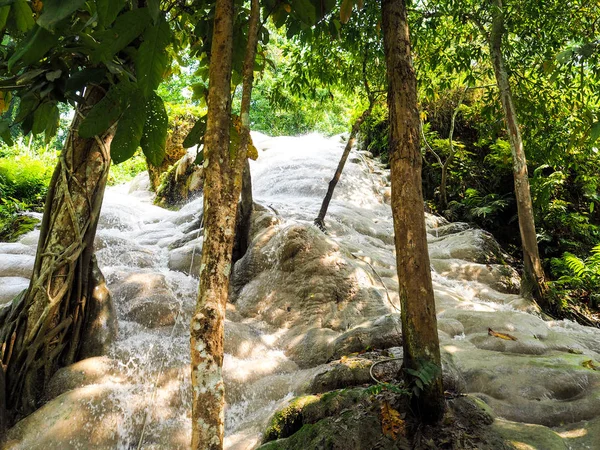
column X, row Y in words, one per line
column 320, row 219
column 44, row 327
column 222, row 188
column 419, row 323
column 534, row 279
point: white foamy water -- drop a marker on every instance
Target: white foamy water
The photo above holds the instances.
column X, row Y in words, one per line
column 144, row 250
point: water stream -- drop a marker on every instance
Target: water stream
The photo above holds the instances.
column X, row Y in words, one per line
column 140, row 393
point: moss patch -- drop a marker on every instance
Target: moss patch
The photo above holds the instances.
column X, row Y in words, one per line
column 12, row 228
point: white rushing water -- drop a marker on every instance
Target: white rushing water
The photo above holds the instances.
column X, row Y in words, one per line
column 141, row 392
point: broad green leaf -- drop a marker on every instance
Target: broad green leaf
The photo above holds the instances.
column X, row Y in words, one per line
column 196, row 133
column 154, row 9
column 53, row 122
column 129, row 130
column 56, row 10
column 33, row 48
column 126, row 28
column 595, row 131
column 3, row 16
column 106, row 111
column 28, row 103
column 78, row 80
column 346, row 10
column 22, row 15
column 108, row 10
column 305, row 11
column 154, row 138
column 5, row 132
column 41, row 117
column 151, row 60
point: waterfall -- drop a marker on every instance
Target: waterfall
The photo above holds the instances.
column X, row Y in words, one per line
column 299, row 298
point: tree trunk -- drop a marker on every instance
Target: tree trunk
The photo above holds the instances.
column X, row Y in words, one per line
column 320, row 220
column 533, row 283
column 222, row 188
column 446, row 165
column 245, row 208
column 43, row 329
column 419, row 323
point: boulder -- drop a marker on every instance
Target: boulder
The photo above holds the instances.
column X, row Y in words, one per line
column 187, row 259
column 14, row 265
column 96, row 370
column 10, row 287
column 102, row 327
column 146, row 298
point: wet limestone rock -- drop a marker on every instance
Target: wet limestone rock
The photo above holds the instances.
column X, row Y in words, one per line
column 96, row 370
column 101, row 326
column 14, row 265
column 179, row 127
column 355, row 371
column 80, row 417
column 146, row 298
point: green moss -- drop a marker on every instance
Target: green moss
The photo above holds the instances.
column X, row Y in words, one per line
column 12, row 228
column 288, row 420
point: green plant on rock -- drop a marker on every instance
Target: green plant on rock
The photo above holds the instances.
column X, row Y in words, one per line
column 581, row 277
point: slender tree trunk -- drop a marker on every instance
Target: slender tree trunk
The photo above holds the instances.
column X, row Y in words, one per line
column 245, row 208
column 320, row 220
column 43, row 329
column 533, row 283
column 419, row 323
column 222, row 188
column 446, row 165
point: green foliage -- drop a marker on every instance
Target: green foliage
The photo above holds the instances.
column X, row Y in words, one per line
column 579, row 278
column 25, row 180
column 127, row 170
column 422, row 377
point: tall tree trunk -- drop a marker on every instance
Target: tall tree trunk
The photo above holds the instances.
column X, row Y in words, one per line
column 533, row 283
column 320, row 220
column 419, row 323
column 43, row 329
column 222, row 188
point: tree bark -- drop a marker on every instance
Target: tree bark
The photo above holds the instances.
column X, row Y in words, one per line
column 43, row 329
column 320, row 220
column 419, row 323
column 245, row 208
column 222, row 188
column 533, row 283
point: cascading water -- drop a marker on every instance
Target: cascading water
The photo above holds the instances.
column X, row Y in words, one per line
column 300, row 300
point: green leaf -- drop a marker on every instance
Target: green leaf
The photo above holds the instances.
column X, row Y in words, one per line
column 126, row 28
column 151, row 60
column 154, row 138
column 5, row 132
column 196, row 133
column 106, row 111
column 28, row 103
column 22, row 15
column 4, row 16
column 33, row 48
column 53, row 122
column 595, row 131
column 305, row 11
column 78, row 80
column 154, row 9
column 41, row 117
column 129, row 130
column 108, row 10
column 56, row 10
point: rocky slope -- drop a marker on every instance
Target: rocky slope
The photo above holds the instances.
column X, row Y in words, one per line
column 301, row 300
